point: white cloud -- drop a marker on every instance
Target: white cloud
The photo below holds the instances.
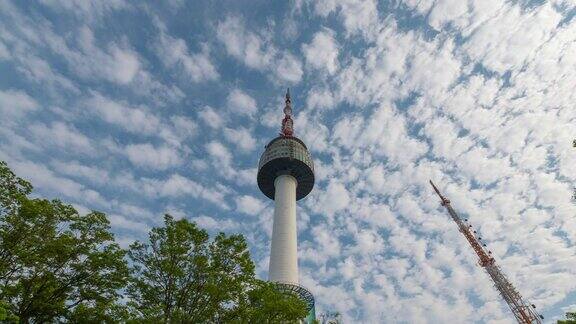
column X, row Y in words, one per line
column 221, row 161
column 62, row 135
column 95, row 175
column 257, row 51
column 483, row 168
column 334, row 199
column 313, row 131
column 272, row 114
column 186, row 127
column 288, row 68
column 358, row 16
column 135, row 211
column 118, row 64
column 4, row 52
column 247, row 176
column 114, row 62
column 435, row 69
column 90, row 9
column 82, row 56
column 249, row 205
column 329, row 243
column 384, row 132
column 213, row 224
column 512, row 36
column 52, row 186
column 241, row 103
column 124, row 66
column 211, row 117
column 22, row 38
column 173, row 53
column 242, row 137
column 135, row 120
column 322, row 52
column 145, row 85
column 448, row 12
column 177, row 185
column 219, row 152
column 320, row 98
column 243, row 45
column 16, row 104
column 119, row 221
column 148, row 156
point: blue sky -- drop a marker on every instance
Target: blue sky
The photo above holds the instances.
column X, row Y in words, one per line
column 139, row 109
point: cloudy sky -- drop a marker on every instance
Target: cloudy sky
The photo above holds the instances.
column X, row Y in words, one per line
column 139, row 109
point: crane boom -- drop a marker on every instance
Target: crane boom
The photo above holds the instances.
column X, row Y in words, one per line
column 525, row 313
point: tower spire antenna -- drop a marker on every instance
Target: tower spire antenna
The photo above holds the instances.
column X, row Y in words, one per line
column 287, row 122
column 525, row 313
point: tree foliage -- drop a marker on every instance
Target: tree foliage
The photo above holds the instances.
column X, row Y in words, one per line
column 182, row 276
column 179, row 274
column 570, row 318
column 59, row 266
column 267, row 304
column 54, row 262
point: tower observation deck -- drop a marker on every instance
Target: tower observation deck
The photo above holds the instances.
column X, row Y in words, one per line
column 285, row 175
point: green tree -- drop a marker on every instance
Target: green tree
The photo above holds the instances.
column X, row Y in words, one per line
column 570, row 318
column 6, row 315
column 267, row 304
column 181, row 276
column 12, row 190
column 54, row 263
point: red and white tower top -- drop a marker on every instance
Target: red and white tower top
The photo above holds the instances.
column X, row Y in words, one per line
column 287, row 122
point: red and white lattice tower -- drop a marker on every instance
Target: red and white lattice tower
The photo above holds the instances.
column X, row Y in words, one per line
column 524, row 312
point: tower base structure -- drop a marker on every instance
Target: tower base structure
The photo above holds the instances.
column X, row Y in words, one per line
column 304, row 295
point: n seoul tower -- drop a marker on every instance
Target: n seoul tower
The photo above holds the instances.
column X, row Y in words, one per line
column 285, row 175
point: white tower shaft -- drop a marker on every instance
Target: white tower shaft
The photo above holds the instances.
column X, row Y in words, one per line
column 284, row 257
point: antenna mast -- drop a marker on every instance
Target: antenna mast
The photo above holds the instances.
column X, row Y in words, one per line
column 287, row 123
column 525, row 313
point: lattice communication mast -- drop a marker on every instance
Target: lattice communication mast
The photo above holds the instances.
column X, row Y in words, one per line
column 524, row 312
